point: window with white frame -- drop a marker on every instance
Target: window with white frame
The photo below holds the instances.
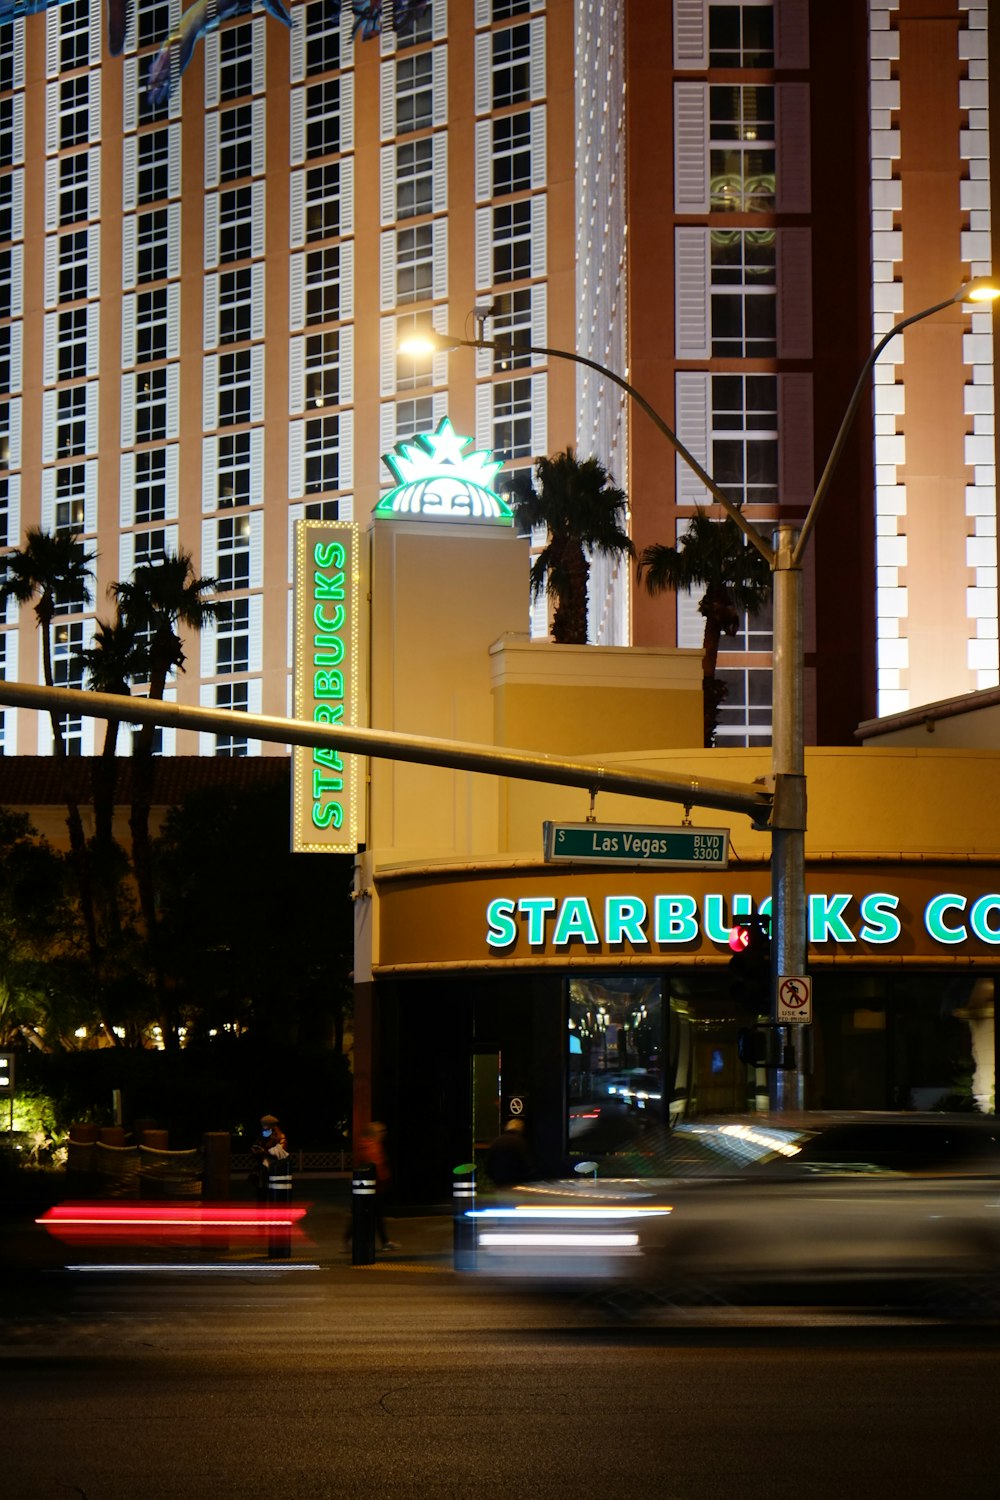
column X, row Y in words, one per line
column 512, row 418
column 414, row 92
column 71, row 421
column 322, row 510
column 6, row 357
column 151, row 326
column 8, row 112
column 413, row 370
column 419, row 26
column 234, row 388
column 323, row 117
column 235, row 305
column 322, row 368
column 323, row 284
column 7, row 188
column 74, row 264
column 503, row 10
column 322, row 454
column 512, row 153
column 151, row 484
column 745, row 713
column 741, row 150
column 511, row 65
column 741, row 36
column 7, row 49
column 233, row 470
column 322, row 37
column 743, row 293
column 68, row 671
column 150, row 547
column 74, row 110
column 236, row 60
column 414, row 263
column 152, row 165
column 512, row 240
column 5, row 434
column 323, row 201
column 74, row 35
column 6, row 540
column 511, row 329
column 236, row 696
column 414, row 178
column 153, row 22
column 236, row 224
column 6, row 283
column 74, row 187
column 235, row 142
column 152, row 245
column 414, row 416
column 71, row 353
column 232, row 557
column 515, row 485
column 71, row 497
column 745, row 437
column 151, row 405
column 232, row 637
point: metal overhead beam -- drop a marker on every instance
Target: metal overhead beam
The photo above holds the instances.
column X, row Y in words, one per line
column 753, row 800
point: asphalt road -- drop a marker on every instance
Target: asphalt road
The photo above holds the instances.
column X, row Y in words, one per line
column 410, row 1380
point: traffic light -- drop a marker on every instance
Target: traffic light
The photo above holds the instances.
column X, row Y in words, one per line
column 750, row 965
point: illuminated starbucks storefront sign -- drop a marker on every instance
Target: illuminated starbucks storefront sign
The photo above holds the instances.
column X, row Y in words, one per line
column 439, row 481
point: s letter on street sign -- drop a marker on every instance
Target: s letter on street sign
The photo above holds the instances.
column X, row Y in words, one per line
column 649, row 848
column 795, row 998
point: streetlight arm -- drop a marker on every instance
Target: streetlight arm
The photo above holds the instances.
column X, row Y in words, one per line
column 751, row 533
column 847, row 421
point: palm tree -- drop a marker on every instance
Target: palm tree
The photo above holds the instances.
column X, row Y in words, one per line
column 111, row 662
column 583, row 511
column 158, row 600
column 713, row 556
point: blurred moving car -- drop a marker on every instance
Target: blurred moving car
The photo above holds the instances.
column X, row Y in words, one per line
column 902, row 1209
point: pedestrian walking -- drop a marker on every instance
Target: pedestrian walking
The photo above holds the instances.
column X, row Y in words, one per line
column 370, row 1147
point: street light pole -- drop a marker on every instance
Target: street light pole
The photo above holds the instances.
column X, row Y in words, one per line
column 789, row 946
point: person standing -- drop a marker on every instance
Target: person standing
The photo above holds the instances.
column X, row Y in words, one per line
column 272, row 1179
column 508, row 1160
column 371, row 1148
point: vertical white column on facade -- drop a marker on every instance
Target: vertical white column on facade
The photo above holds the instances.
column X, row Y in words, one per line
column 980, row 449
column 891, row 606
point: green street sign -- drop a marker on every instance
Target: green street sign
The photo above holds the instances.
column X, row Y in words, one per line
column 649, row 848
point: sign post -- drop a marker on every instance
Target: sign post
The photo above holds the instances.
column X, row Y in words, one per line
column 646, row 847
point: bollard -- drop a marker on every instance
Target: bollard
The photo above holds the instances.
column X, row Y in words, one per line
column 279, row 1197
column 363, row 1216
column 463, row 1201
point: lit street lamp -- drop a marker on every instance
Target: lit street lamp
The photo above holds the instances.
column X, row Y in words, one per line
column 789, row 946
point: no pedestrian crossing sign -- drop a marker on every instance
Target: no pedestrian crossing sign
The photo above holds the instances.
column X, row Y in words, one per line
column 795, row 998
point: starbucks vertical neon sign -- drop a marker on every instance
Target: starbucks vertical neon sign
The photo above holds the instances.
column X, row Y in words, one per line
column 327, row 785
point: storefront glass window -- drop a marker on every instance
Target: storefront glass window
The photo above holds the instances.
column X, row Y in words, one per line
column 616, row 1058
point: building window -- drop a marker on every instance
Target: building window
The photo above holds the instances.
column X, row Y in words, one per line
column 741, row 36
column 234, row 388
column 755, row 632
column 414, row 417
column 515, row 485
column 232, row 637
column 504, row 9
column 745, row 437
column 323, row 117
column 73, row 265
column 5, row 540
column 6, row 283
column 414, row 178
column 235, row 142
column 7, row 58
column 5, row 435
column 419, row 27
column 151, row 326
column 232, row 564
column 71, row 354
column 413, row 370
column 67, row 671
column 745, row 715
column 323, row 285
column 322, row 37
column 511, row 328
column 71, row 495
column 414, row 263
column 236, row 224
column 152, row 165
column 5, row 359
column 322, row 453
column 74, row 110
column 153, row 22
column 322, row 510
column 511, row 66
column 744, row 302
column 741, row 153
column 71, row 421
column 233, row 470
column 150, row 547
column 234, row 695
column 323, row 201
column 7, row 205
column 151, row 405
column 236, row 61
column 151, row 484
column 323, row 368
column 74, row 186
column 235, row 305
column 414, row 93
column 512, row 153
column 7, row 131
column 152, row 232
column 512, row 241
column 74, row 35
column 512, row 419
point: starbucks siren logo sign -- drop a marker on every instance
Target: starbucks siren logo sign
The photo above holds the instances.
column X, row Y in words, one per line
column 438, row 480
